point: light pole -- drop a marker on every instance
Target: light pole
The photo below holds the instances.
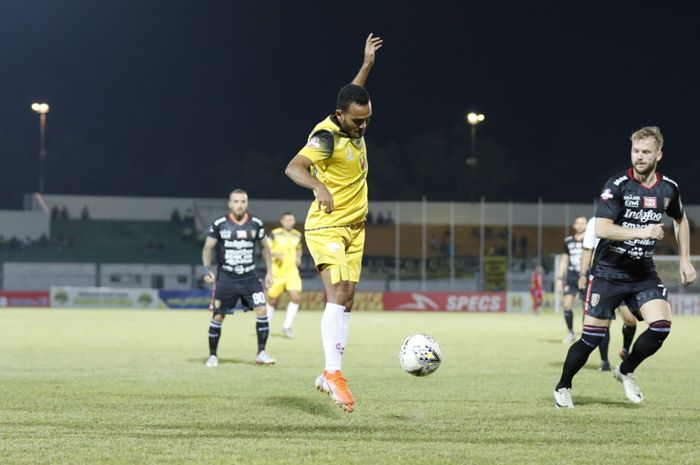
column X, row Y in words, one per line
column 473, row 119
column 42, row 109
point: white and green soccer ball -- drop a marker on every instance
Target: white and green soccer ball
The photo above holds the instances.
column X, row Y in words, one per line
column 420, row 355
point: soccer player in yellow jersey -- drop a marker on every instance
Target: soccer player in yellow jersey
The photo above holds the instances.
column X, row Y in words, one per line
column 285, row 246
column 334, row 165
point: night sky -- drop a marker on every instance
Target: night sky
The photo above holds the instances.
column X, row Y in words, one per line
column 166, row 89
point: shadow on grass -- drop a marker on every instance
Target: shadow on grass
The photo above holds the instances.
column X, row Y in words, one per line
column 591, row 366
column 223, row 361
column 321, row 406
column 587, row 400
column 551, row 341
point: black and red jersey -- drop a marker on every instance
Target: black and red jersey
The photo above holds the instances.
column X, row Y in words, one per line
column 236, row 240
column 632, row 205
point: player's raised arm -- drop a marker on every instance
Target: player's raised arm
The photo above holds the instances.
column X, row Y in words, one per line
column 209, row 245
column 298, row 171
column 682, row 232
column 372, row 44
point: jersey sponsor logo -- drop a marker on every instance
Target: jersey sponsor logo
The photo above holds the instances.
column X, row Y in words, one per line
column 619, row 180
column 632, row 201
column 667, row 179
column 606, row 195
column 241, row 234
column 649, row 202
column 225, row 234
column 239, row 244
column 636, row 253
column 333, row 247
column 644, row 216
column 314, row 143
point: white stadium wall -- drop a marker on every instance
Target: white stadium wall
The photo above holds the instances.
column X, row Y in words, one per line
column 41, row 276
column 23, row 224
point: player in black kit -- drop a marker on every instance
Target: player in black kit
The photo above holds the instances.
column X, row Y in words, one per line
column 234, row 237
column 628, row 222
column 568, row 273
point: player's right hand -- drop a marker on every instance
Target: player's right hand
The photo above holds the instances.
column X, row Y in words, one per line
column 324, row 199
column 371, row 46
column 582, row 283
column 654, row 231
column 209, row 277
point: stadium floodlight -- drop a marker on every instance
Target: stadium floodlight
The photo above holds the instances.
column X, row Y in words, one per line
column 42, row 109
column 475, row 118
column 472, row 161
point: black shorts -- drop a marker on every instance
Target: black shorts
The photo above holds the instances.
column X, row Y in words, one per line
column 571, row 286
column 603, row 296
column 232, row 290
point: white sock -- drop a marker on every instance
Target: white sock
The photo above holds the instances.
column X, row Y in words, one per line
column 292, row 310
column 332, row 335
column 270, row 312
column 346, row 328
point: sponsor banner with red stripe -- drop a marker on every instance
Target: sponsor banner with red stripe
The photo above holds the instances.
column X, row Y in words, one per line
column 446, row 301
column 24, row 299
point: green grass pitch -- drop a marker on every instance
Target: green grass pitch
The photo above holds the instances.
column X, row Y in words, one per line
column 130, row 387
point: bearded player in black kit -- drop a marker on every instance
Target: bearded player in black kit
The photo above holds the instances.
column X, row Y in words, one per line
column 234, row 236
column 628, row 222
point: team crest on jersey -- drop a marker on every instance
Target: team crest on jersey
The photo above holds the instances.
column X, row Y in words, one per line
column 363, row 162
column 606, row 195
column 595, row 299
column 667, row 202
column 225, row 234
column 241, row 234
column 649, row 202
column 314, row 143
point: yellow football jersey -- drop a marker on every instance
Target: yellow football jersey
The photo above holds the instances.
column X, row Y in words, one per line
column 340, row 163
column 286, row 243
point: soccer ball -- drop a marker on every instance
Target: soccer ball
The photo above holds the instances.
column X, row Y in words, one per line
column 420, row 355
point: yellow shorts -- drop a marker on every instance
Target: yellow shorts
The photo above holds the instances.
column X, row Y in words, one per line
column 339, row 248
column 286, row 282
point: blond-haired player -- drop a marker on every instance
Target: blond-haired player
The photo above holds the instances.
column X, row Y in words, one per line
column 334, row 165
column 286, row 250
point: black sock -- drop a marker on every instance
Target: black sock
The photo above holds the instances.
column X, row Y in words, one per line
column 579, row 352
column 214, row 335
column 647, row 344
column 262, row 326
column 603, row 347
column 628, row 336
column 569, row 318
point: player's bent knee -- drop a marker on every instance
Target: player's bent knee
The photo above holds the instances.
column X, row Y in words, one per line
column 261, row 311
column 592, row 335
column 661, row 329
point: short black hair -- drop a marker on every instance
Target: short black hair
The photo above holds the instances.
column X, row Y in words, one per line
column 351, row 93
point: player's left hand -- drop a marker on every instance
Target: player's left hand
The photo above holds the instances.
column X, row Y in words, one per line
column 371, row 46
column 687, row 272
column 268, row 280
